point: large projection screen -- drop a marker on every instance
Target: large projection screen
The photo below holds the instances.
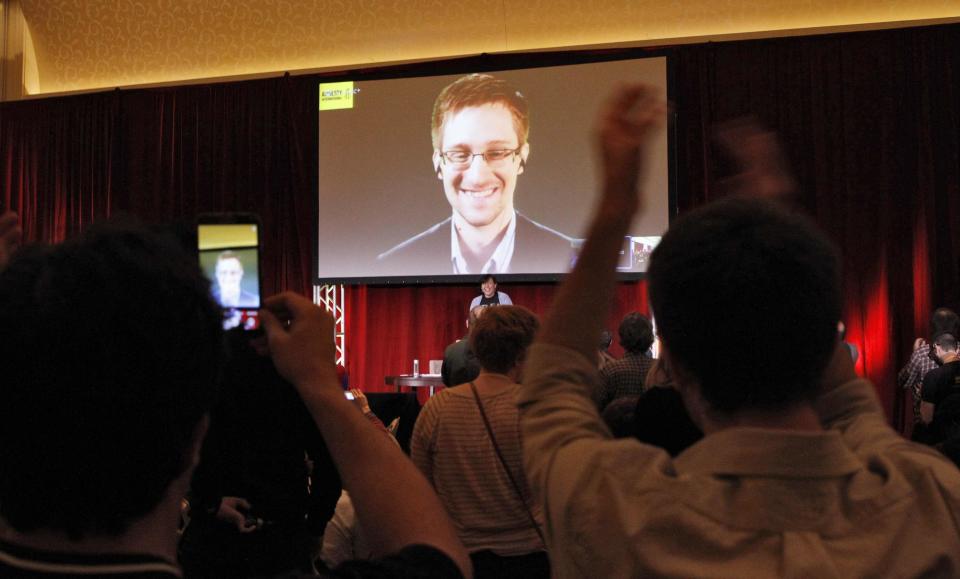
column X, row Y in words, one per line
column 391, row 210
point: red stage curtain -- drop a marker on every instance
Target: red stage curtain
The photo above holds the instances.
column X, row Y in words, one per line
column 388, row 327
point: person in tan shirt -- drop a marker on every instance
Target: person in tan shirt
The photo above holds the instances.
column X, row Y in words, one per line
column 453, row 448
column 799, row 474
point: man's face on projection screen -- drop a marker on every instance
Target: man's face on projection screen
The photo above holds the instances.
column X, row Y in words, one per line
column 481, row 190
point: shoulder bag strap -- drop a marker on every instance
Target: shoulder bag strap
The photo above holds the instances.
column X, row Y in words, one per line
column 503, row 463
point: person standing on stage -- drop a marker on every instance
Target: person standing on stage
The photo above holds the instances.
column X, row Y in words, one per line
column 489, row 296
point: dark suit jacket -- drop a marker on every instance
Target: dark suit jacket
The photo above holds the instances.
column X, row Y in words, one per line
column 537, row 249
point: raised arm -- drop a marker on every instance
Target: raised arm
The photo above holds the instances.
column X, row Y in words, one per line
column 395, row 511
column 630, row 118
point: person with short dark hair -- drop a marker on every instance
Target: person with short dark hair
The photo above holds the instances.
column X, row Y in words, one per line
column 477, row 471
column 625, row 377
column 480, row 129
column 798, row 472
column 111, row 350
column 459, row 363
column 939, row 384
column 489, row 296
column 923, row 358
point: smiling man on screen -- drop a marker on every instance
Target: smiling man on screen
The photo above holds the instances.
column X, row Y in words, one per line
column 479, row 129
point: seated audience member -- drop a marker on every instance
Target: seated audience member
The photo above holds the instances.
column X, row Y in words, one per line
column 489, row 296
column 343, row 538
column 943, row 320
column 466, row 441
column 798, row 473
column 939, row 384
column 251, row 514
column 606, row 338
column 111, row 349
column 459, row 364
column 624, row 377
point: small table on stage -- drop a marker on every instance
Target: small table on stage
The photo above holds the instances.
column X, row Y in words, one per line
column 431, row 381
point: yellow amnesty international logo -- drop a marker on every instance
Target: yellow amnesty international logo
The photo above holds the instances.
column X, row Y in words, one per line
column 337, row 95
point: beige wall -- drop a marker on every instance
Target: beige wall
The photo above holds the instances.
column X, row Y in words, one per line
column 87, row 44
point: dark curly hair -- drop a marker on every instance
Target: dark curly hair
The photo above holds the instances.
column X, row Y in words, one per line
column 636, row 333
column 501, row 337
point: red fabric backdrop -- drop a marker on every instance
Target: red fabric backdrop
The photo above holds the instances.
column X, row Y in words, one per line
column 389, row 327
column 870, row 120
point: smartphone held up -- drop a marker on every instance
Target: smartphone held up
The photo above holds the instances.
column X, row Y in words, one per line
column 228, row 246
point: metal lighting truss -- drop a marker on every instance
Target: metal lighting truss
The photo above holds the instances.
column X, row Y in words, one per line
column 330, row 297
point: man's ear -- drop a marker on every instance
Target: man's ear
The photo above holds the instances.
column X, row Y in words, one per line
column 524, row 153
column 687, row 386
column 436, row 164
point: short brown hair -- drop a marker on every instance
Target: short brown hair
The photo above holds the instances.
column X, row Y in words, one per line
column 501, row 337
column 476, row 90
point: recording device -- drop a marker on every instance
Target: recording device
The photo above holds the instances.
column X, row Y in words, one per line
column 349, row 395
column 228, row 247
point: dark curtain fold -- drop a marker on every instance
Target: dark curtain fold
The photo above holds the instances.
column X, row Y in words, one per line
column 227, row 147
column 58, row 159
column 869, row 120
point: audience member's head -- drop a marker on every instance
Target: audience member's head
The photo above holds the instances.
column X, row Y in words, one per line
column 662, row 420
column 747, row 297
column 501, row 337
column 657, row 417
column 606, row 338
column 620, row 416
column 111, row 349
column 636, row 333
column 944, row 321
column 944, row 345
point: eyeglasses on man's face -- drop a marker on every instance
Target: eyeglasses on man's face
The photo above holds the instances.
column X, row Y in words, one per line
column 494, row 157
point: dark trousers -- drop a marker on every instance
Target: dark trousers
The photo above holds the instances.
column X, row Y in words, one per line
column 488, row 565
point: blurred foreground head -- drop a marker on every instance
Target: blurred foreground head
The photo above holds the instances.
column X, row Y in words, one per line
column 747, row 296
column 111, row 349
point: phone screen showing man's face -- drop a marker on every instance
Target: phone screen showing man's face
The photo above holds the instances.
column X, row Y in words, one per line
column 229, row 257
